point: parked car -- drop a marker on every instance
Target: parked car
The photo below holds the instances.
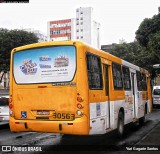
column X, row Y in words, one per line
column 156, row 96
column 4, row 109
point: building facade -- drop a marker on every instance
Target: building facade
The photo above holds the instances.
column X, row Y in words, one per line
column 61, row 30
column 108, row 48
column 41, row 36
column 87, row 30
column 82, row 28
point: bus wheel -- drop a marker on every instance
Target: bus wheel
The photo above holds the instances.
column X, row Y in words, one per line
column 120, row 126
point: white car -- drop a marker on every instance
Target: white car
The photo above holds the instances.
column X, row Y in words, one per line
column 4, row 109
column 156, row 95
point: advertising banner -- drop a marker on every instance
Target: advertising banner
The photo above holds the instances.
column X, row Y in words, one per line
column 45, row 65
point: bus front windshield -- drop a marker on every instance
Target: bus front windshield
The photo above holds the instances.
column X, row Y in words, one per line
column 44, row 65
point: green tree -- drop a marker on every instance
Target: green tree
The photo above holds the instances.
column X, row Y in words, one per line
column 147, row 28
column 154, row 46
column 148, row 36
column 127, row 51
column 145, row 52
column 10, row 39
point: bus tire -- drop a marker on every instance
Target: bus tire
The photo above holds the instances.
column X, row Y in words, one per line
column 120, row 125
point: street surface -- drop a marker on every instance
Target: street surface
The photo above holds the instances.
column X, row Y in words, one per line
column 108, row 143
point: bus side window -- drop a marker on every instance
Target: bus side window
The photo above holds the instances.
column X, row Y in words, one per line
column 144, row 84
column 139, row 80
column 94, row 71
column 126, row 78
column 117, row 76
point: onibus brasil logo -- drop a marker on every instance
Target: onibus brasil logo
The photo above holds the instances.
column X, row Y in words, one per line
column 29, row 67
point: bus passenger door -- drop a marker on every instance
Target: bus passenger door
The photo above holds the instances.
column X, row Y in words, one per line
column 106, row 80
column 134, row 93
column 98, row 97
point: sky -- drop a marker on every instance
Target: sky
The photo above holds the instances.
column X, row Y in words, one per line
column 119, row 19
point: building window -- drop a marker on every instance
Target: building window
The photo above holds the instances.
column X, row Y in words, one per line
column 77, row 37
column 94, row 71
column 81, row 12
column 68, row 31
column 81, row 37
column 117, row 76
column 77, row 30
column 58, row 31
column 81, row 30
column 81, row 23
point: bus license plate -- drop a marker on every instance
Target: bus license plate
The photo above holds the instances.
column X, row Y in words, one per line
column 42, row 112
column 63, row 116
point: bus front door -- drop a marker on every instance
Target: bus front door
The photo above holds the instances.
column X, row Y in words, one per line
column 107, row 95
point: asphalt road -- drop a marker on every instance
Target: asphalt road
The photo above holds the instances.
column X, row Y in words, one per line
column 108, row 143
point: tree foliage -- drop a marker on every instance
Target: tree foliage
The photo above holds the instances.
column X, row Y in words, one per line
column 145, row 52
column 127, row 51
column 147, row 28
column 148, row 36
column 10, row 39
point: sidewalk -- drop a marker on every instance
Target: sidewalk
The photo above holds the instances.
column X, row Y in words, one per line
column 152, row 139
column 149, row 144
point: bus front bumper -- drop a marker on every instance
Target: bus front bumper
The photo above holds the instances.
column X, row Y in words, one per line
column 78, row 127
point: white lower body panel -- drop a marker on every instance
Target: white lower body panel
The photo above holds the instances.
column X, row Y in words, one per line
column 104, row 116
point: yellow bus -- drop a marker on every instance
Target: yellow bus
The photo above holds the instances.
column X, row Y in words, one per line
column 69, row 87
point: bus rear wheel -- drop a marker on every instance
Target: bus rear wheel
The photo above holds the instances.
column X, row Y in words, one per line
column 120, row 125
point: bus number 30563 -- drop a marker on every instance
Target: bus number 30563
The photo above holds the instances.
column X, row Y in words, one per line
column 67, row 116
